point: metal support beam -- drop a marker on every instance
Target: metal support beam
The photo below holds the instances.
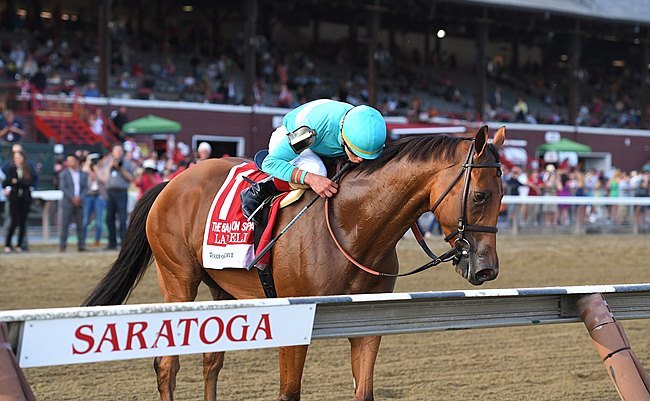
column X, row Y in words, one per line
column 104, row 48
column 575, row 49
column 645, row 83
column 481, row 67
column 426, row 60
column 315, row 32
column 251, row 50
column 372, row 51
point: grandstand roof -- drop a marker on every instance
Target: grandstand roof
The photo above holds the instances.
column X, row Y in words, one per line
column 633, row 11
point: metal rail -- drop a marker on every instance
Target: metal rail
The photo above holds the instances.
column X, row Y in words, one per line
column 436, row 314
column 397, row 313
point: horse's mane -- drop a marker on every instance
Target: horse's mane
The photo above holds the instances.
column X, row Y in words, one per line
column 414, row 148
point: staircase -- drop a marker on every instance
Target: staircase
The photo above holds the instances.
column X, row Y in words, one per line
column 65, row 123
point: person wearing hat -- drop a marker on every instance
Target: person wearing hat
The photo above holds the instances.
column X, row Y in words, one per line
column 148, row 178
column 318, row 128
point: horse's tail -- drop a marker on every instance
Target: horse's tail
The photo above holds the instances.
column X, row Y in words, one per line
column 134, row 257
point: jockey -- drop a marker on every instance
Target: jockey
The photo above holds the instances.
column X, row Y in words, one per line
column 319, row 128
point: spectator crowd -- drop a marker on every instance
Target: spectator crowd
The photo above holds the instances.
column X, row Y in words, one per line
column 563, row 180
column 98, row 191
column 63, row 61
column 96, row 187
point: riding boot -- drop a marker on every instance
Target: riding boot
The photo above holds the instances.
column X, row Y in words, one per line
column 254, row 196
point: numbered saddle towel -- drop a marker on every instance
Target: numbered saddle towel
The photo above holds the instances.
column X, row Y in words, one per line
column 228, row 236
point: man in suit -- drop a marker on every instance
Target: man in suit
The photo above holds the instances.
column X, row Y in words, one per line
column 74, row 184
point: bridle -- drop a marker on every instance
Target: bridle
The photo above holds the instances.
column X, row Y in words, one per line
column 461, row 248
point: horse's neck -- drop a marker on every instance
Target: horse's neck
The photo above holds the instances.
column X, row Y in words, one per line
column 376, row 210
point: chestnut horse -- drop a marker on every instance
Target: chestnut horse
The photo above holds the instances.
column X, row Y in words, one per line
column 378, row 201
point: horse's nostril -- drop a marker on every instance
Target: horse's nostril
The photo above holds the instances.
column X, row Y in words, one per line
column 485, row 275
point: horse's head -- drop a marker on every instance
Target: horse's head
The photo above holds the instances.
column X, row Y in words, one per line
column 471, row 208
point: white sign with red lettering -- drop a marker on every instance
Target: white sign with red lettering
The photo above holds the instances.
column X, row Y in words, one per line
column 106, row 338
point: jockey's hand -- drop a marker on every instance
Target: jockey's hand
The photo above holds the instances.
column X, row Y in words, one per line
column 323, row 186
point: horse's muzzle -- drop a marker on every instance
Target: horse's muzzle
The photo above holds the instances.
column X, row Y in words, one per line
column 478, row 267
column 483, row 266
column 483, row 275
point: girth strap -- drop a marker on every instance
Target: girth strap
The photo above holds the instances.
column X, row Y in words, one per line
column 266, row 279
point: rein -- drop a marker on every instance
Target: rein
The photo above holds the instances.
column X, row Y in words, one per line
column 461, row 246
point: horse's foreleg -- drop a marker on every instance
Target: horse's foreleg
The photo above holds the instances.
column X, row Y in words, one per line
column 166, row 368
column 177, row 284
column 212, row 364
column 213, row 361
column 292, row 362
column 363, row 353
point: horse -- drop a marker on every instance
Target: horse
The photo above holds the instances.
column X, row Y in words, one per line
column 377, row 202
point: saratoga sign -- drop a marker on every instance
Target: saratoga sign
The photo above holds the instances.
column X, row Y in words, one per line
column 105, row 338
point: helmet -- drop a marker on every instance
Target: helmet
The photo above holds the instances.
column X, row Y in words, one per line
column 364, row 131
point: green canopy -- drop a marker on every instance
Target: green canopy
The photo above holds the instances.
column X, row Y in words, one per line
column 564, row 145
column 151, row 125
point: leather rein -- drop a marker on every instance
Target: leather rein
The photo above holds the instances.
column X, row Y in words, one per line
column 461, row 247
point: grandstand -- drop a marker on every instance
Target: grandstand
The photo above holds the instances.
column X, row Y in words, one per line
column 443, row 62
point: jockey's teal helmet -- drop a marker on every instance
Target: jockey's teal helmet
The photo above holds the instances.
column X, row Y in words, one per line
column 364, row 131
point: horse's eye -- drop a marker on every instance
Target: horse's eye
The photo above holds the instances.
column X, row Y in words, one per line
column 480, row 197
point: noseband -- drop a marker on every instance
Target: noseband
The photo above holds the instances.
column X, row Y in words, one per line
column 461, row 247
column 461, row 242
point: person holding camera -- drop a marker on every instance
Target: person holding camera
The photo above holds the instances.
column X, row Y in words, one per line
column 118, row 175
column 95, row 199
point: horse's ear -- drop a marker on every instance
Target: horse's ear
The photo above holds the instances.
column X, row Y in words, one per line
column 499, row 138
column 480, row 140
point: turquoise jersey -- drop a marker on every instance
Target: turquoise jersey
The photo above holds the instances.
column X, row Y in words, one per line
column 324, row 116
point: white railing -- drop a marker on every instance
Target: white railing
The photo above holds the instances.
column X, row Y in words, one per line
column 635, row 209
column 575, row 200
column 70, row 329
column 49, row 197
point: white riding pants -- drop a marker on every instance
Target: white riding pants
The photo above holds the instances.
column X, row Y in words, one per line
column 307, row 160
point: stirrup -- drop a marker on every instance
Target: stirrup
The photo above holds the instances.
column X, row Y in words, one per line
column 255, row 197
column 253, row 215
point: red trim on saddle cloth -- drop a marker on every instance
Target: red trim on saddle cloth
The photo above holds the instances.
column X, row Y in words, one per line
column 281, row 185
column 228, row 236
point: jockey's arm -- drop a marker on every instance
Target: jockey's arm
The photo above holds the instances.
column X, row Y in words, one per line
column 277, row 164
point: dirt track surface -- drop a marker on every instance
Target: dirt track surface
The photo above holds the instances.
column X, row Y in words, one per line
column 551, row 362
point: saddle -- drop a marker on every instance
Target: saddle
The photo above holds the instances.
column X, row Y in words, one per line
column 262, row 193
